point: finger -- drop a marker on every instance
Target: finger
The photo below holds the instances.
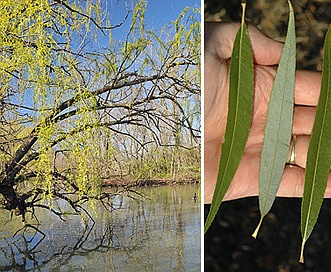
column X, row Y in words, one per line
column 307, row 88
column 298, row 151
column 303, row 120
column 301, row 149
column 266, row 51
column 292, row 183
column 219, row 39
column 299, row 156
column 306, row 93
column 245, row 180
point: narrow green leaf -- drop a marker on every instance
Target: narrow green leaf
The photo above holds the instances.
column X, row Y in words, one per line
column 277, row 134
column 239, row 116
column 319, row 152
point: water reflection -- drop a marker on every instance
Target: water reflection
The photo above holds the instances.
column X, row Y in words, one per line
column 161, row 233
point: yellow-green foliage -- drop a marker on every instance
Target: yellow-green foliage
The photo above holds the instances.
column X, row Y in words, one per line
column 30, row 59
column 138, row 19
column 84, row 159
column 44, row 163
column 40, row 63
column 23, row 39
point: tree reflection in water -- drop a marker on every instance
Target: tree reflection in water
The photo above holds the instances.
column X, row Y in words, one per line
column 158, row 232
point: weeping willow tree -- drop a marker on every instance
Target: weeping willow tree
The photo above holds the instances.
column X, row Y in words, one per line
column 73, row 97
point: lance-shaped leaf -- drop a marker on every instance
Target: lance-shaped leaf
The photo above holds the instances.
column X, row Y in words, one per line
column 277, row 133
column 319, row 152
column 239, row 116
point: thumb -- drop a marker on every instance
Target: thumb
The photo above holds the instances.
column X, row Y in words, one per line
column 219, row 39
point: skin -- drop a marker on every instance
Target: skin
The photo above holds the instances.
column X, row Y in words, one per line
column 219, row 38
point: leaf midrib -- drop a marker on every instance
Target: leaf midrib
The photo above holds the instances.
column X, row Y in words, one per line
column 317, row 159
column 277, row 140
column 237, row 104
column 220, row 178
column 275, row 149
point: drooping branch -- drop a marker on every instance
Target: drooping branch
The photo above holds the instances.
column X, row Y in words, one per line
column 13, row 168
column 134, row 89
column 100, row 27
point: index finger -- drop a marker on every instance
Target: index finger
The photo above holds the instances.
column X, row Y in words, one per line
column 219, row 39
column 307, row 88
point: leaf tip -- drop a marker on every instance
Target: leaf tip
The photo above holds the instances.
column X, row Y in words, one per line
column 254, row 235
column 211, row 216
column 205, row 229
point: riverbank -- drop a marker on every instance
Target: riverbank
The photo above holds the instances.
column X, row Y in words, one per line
column 149, row 182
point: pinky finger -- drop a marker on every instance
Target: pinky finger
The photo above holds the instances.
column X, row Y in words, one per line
column 293, row 182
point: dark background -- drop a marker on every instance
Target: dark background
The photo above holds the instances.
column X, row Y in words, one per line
column 228, row 243
column 229, row 246
column 271, row 16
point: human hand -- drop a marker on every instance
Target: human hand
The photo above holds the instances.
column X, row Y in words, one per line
column 219, row 38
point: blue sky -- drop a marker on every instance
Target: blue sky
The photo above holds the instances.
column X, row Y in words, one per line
column 158, row 14
column 161, row 12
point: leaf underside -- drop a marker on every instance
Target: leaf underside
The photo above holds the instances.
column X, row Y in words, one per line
column 239, row 116
column 319, row 152
column 278, row 128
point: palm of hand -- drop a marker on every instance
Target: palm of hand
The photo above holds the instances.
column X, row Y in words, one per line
column 215, row 121
column 218, row 47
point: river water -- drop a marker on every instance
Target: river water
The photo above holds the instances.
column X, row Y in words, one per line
column 160, row 232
